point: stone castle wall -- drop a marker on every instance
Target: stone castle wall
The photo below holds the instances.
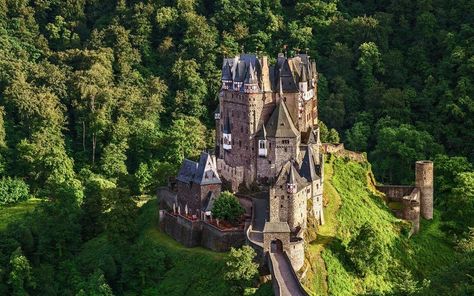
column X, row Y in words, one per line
column 395, row 192
column 199, row 233
column 234, row 175
column 409, row 199
column 296, row 253
column 185, row 231
column 221, row 241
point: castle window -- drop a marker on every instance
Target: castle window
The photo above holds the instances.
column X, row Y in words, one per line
column 241, row 129
column 286, row 150
column 240, row 143
column 285, row 141
column 281, row 206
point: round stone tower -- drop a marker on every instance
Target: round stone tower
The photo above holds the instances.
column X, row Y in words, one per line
column 424, row 181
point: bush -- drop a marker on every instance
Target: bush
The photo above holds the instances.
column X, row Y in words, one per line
column 227, row 207
column 13, row 190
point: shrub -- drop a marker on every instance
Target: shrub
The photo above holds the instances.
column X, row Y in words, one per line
column 227, row 207
column 241, row 269
column 13, row 190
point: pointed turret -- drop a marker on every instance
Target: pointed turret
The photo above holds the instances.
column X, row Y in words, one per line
column 226, row 72
column 291, row 185
column 308, row 168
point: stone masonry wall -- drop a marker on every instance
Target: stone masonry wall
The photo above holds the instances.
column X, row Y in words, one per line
column 182, row 230
column 296, row 254
column 221, row 241
column 199, row 233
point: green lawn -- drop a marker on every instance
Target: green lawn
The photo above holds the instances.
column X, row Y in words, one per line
column 15, row 212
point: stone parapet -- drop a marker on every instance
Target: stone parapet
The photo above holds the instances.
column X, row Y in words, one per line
column 233, row 175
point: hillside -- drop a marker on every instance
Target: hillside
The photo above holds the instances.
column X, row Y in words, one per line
column 352, row 203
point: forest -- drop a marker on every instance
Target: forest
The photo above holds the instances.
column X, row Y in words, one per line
column 100, row 101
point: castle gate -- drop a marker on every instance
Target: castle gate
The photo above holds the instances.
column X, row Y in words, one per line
column 276, row 246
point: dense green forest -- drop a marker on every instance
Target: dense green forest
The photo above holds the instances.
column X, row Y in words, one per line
column 100, row 101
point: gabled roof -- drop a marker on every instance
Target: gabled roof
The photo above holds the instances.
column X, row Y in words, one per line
column 280, row 124
column 206, row 172
column 187, row 171
column 203, row 172
column 279, row 227
column 307, row 168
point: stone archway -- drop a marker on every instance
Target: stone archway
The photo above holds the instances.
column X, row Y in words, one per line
column 276, row 246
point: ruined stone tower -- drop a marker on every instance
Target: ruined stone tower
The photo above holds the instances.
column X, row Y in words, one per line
column 424, row 181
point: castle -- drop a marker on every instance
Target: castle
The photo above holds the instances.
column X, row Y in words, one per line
column 267, row 139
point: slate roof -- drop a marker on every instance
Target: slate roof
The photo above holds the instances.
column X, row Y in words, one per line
column 281, row 227
column 226, row 72
column 262, row 133
column 187, row 171
column 206, row 172
column 203, row 172
column 289, row 175
column 284, row 76
column 280, row 124
column 308, row 168
column 209, row 203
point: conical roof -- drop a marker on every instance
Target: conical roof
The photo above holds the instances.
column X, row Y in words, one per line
column 303, row 77
column 292, row 175
column 226, row 72
column 308, row 169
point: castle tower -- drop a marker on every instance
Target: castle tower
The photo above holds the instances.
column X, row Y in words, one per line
column 424, row 181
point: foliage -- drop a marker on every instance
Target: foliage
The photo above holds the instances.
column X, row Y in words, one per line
column 365, row 229
column 20, row 274
column 125, row 90
column 13, row 191
column 227, row 207
column 241, row 269
column 328, row 135
column 367, row 251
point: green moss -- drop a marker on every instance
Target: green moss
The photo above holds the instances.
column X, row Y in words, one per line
column 16, row 212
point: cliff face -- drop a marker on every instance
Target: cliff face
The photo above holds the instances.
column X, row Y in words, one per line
column 357, row 215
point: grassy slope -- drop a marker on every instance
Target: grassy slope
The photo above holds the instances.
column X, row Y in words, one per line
column 15, row 212
column 351, row 203
column 193, row 271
